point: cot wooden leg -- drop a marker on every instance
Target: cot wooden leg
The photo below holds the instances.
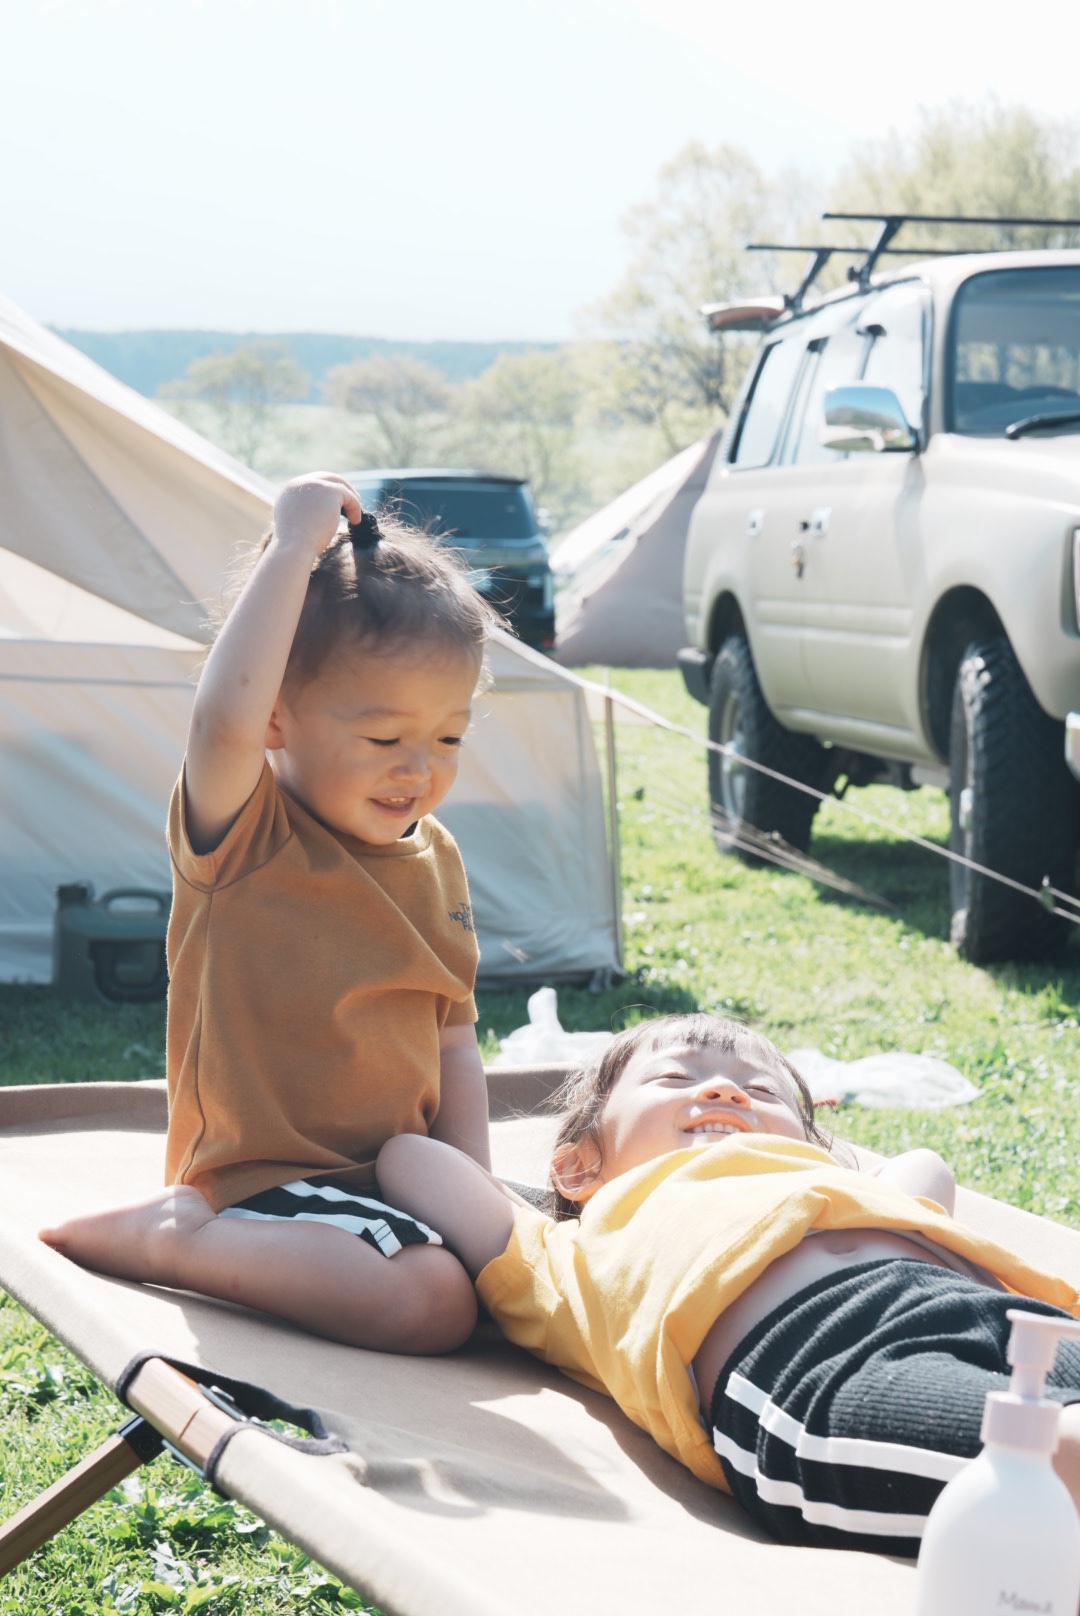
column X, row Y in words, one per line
column 133, row 1445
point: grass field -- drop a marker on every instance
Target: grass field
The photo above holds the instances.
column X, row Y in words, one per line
column 805, row 966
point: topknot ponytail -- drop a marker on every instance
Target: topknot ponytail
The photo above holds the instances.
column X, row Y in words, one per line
column 388, row 587
column 366, row 533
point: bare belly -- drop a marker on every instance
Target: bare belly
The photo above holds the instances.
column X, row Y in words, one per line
column 815, row 1257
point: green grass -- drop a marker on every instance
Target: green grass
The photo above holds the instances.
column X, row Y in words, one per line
column 813, row 969
column 162, row 1541
column 805, row 966
column 45, row 1040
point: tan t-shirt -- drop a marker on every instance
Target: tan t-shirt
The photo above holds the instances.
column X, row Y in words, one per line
column 310, row 975
column 622, row 1298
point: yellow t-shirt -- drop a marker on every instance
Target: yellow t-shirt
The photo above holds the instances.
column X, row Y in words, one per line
column 310, row 975
column 622, row 1298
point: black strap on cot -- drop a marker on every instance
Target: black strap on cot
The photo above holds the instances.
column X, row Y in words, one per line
column 249, row 1405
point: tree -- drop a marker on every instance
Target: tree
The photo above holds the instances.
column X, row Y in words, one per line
column 243, row 391
column 688, row 245
column 661, row 367
column 985, row 159
column 405, row 402
column 520, row 417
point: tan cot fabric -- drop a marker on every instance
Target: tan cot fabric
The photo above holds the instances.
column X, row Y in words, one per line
column 310, row 976
column 481, row 1484
column 622, row 1298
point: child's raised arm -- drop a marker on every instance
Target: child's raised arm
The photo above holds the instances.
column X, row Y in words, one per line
column 241, row 681
column 472, row 1211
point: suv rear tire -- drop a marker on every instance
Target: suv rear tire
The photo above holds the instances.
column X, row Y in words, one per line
column 740, row 719
column 1014, row 808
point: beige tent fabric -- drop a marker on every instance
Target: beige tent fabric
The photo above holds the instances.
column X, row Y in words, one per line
column 620, row 572
column 117, row 526
column 480, row 1484
column 107, row 490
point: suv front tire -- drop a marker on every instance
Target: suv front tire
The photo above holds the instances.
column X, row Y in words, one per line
column 1012, row 809
column 743, row 797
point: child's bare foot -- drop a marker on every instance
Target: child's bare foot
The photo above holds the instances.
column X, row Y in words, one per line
column 139, row 1241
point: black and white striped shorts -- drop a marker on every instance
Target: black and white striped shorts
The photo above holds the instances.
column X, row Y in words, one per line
column 320, row 1200
column 841, row 1416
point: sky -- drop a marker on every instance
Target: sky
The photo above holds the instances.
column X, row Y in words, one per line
column 423, row 169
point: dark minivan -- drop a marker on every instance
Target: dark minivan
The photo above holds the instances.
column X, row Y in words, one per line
column 491, row 520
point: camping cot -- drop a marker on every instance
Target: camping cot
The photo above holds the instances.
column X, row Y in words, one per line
column 479, row 1484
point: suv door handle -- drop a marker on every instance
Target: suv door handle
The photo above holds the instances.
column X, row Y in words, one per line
column 817, row 524
column 755, row 521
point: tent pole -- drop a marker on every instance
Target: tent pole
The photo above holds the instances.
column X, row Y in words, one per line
column 613, row 822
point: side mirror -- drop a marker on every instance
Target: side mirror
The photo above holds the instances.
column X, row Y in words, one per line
column 862, row 416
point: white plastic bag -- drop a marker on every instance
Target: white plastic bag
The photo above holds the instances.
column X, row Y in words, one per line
column 893, row 1077
column 544, row 1042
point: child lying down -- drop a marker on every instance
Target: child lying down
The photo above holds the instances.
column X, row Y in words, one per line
column 814, row 1338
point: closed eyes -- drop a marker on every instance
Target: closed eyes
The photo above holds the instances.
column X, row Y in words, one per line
column 757, row 1086
column 395, row 740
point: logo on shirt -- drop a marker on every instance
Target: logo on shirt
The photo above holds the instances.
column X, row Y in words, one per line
column 463, row 915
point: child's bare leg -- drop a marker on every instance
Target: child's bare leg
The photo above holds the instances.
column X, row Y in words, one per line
column 421, row 1300
column 1067, row 1457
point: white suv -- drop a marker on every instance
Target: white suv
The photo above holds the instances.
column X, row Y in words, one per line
column 882, row 577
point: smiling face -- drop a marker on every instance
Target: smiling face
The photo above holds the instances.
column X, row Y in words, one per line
column 373, row 741
column 678, row 1097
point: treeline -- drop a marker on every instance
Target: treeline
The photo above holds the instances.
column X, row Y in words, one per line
column 150, row 360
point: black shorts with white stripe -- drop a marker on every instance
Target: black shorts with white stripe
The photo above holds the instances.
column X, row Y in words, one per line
column 321, row 1200
column 841, row 1416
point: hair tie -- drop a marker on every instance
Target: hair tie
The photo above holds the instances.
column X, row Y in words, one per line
column 366, row 533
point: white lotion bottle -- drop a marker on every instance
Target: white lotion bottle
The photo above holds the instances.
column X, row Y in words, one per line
column 1004, row 1534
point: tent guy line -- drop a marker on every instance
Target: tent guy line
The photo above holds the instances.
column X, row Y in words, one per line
column 1070, row 911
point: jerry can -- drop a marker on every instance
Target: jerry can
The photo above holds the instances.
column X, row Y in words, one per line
column 110, row 949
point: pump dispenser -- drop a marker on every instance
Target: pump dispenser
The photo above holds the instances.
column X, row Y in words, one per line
column 1004, row 1535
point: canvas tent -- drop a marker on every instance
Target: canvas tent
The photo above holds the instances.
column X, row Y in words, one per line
column 117, row 524
column 619, row 573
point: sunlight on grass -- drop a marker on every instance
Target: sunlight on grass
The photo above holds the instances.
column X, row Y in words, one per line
column 814, row 969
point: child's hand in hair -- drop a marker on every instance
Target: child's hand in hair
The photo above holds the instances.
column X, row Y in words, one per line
column 308, row 510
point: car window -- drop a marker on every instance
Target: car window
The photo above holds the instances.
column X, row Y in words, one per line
column 465, row 510
column 1015, row 348
column 896, row 322
column 764, row 414
column 831, row 361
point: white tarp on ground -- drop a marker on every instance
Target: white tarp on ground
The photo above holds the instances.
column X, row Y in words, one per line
column 619, row 573
column 116, row 527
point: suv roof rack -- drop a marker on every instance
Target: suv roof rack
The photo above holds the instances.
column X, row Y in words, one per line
column 820, row 256
column 890, row 226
